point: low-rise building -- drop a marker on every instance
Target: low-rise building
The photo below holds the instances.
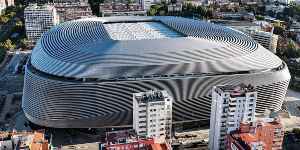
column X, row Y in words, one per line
column 152, row 114
column 146, row 4
column 234, row 15
column 264, row 134
column 230, row 106
column 175, row 7
column 5, row 3
column 39, row 19
column 72, row 11
column 121, row 9
column 128, row 140
column 23, row 140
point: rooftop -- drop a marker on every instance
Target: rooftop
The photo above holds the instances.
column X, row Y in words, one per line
column 150, row 96
column 140, row 30
column 237, row 90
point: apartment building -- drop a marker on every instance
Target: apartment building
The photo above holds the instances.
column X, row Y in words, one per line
column 39, row 19
column 264, row 134
column 121, row 9
column 267, row 39
column 146, row 4
column 5, row 3
column 230, row 106
column 73, row 10
column 152, row 114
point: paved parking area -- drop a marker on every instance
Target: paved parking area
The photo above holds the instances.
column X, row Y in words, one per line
column 293, row 106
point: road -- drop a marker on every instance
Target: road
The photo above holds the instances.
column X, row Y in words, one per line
column 293, row 105
column 9, row 81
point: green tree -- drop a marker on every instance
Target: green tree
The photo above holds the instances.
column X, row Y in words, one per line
column 3, row 19
column 292, row 51
column 19, row 24
column 278, row 30
column 152, row 12
column 7, row 45
column 23, row 43
column 259, row 17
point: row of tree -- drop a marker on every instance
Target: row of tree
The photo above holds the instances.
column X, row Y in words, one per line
column 188, row 10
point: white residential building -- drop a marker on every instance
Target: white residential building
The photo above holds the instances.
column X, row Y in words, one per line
column 230, row 106
column 267, row 39
column 285, row 2
column 39, row 19
column 152, row 114
column 146, row 4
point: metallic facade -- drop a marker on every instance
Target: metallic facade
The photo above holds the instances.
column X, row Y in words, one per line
column 79, row 77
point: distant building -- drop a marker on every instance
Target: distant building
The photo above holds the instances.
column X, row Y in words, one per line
column 230, row 106
column 52, row 1
column 175, row 7
column 266, row 39
column 234, row 15
column 5, row 3
column 146, row 4
column 152, row 114
column 73, row 11
column 275, row 8
column 121, row 9
column 39, row 19
column 295, row 27
column 285, row 2
column 39, row 2
column 262, row 135
column 128, row 140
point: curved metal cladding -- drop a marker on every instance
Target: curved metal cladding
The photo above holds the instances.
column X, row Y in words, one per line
column 79, row 77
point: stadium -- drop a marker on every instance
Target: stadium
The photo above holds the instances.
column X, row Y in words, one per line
column 83, row 73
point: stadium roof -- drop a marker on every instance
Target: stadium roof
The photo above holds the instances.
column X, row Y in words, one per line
column 114, row 47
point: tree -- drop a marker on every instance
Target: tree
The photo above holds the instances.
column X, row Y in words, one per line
column 3, row 19
column 152, row 11
column 292, row 51
column 259, row 17
column 7, row 45
column 23, row 43
column 19, row 24
column 279, row 30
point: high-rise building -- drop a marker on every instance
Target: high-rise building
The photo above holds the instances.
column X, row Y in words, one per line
column 230, row 106
column 262, row 135
column 39, row 19
column 152, row 114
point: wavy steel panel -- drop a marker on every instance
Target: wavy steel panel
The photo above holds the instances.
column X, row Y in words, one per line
column 56, row 96
column 59, row 103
